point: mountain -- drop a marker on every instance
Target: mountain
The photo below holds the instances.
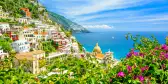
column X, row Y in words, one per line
column 66, row 23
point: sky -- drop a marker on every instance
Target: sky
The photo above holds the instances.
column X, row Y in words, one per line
column 114, row 15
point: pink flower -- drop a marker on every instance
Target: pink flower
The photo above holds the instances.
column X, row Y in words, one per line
column 135, row 77
column 163, row 46
column 144, row 68
column 129, row 68
column 121, row 74
column 111, row 80
column 141, row 78
column 166, row 55
column 136, row 53
column 156, row 48
column 129, row 55
column 141, row 54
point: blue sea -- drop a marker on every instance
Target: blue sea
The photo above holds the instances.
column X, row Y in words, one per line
column 115, row 41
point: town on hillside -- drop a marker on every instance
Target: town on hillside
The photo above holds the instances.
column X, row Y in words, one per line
column 39, row 41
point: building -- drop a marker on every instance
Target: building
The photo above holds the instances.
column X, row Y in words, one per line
column 13, row 35
column 36, row 59
column 75, row 47
column 29, row 35
column 24, row 20
column 108, row 57
column 41, row 34
column 14, row 32
column 27, row 12
column 3, row 55
column 4, row 27
column 21, row 46
column 97, row 53
column 15, row 28
column 0, row 33
column 63, row 45
column 36, row 22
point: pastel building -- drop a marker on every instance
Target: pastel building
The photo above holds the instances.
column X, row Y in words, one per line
column 29, row 35
column 13, row 35
column 63, row 45
column 4, row 27
column 35, row 59
column 3, row 55
column 21, row 46
column 41, row 34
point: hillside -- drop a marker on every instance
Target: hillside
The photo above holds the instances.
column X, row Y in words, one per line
column 14, row 7
column 67, row 24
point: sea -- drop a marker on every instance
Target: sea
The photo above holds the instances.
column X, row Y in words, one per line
column 115, row 41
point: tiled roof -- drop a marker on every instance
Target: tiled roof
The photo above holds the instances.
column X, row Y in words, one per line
column 44, row 33
column 28, row 55
column 100, row 56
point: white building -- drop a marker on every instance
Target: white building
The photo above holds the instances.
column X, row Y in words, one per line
column 36, row 22
column 0, row 33
column 24, row 20
column 41, row 34
column 75, row 47
column 21, row 46
column 29, row 35
column 4, row 27
column 3, row 55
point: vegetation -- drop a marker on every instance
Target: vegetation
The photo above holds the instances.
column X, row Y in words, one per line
column 48, row 47
column 147, row 63
column 4, row 20
column 66, row 23
column 68, row 33
column 80, row 46
column 10, row 75
column 5, row 43
column 13, row 7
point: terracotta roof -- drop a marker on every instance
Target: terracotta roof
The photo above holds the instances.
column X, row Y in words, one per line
column 36, row 32
column 28, row 55
column 100, row 56
column 4, row 23
column 43, row 33
column 25, row 27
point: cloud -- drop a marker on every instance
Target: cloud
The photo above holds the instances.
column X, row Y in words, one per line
column 123, row 14
column 99, row 26
column 94, row 6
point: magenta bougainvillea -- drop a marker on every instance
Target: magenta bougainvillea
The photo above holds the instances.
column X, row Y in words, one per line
column 146, row 63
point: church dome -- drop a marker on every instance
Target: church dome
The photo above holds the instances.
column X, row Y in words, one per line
column 97, row 49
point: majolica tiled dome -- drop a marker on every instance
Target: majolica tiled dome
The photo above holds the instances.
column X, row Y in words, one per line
column 97, row 49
